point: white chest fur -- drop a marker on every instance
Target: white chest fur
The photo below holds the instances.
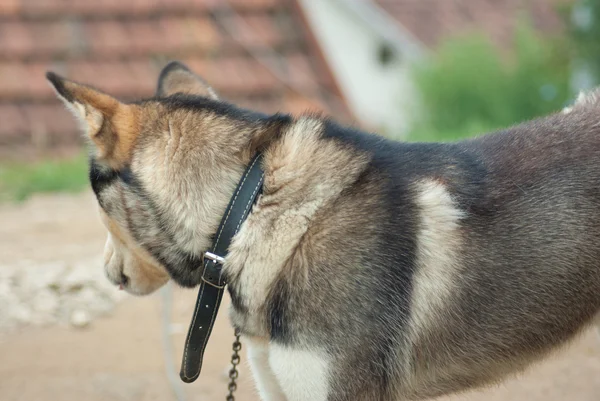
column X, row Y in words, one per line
column 283, row 373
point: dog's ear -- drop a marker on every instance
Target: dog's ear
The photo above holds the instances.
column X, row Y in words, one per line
column 111, row 126
column 177, row 78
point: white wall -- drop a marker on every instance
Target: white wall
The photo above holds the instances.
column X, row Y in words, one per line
column 381, row 96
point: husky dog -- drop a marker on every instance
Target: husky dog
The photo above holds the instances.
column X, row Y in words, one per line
column 368, row 269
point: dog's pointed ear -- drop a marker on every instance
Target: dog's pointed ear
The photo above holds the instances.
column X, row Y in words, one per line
column 177, row 78
column 112, row 127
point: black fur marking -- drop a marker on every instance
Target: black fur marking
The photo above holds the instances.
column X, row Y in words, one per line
column 461, row 171
column 218, row 107
column 277, row 312
column 127, row 177
column 182, row 267
column 59, row 85
column 101, row 177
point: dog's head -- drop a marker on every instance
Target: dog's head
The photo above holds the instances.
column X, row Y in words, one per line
column 162, row 170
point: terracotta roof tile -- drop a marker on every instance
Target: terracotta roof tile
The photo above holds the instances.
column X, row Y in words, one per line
column 255, row 4
column 22, row 124
column 146, row 37
column 300, row 71
column 16, row 39
column 37, row 87
column 102, row 8
column 185, row 34
column 13, row 80
column 120, row 46
column 14, row 123
column 48, row 119
column 239, row 75
column 258, row 30
column 127, row 79
column 50, row 38
column 107, row 38
column 9, row 7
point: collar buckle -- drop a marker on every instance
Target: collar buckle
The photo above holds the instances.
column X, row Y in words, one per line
column 215, row 258
column 213, row 270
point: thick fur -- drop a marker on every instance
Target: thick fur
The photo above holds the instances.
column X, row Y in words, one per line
column 368, row 269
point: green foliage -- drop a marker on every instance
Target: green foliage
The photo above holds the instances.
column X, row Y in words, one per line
column 18, row 181
column 470, row 87
column 582, row 19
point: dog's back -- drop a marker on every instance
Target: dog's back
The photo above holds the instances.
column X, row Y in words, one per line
column 448, row 266
column 529, row 275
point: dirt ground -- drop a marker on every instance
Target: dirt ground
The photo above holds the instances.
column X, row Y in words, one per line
column 122, row 356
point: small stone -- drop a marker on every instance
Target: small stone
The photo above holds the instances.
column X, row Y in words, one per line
column 44, row 306
column 21, row 313
column 80, row 318
column 45, row 301
column 74, row 293
column 92, row 300
column 74, row 281
column 48, row 275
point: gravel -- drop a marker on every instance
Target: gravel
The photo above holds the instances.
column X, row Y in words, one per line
column 66, row 293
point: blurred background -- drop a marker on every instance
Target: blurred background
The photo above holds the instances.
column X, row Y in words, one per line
column 414, row 70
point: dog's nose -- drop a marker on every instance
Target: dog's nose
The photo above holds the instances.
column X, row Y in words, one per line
column 123, row 281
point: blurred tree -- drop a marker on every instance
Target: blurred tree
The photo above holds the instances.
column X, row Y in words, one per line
column 582, row 18
column 469, row 86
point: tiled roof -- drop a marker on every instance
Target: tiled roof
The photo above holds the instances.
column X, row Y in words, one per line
column 246, row 49
column 431, row 21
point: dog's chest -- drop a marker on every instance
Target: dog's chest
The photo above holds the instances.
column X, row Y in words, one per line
column 250, row 321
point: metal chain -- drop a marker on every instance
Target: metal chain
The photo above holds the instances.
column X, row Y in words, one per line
column 233, row 372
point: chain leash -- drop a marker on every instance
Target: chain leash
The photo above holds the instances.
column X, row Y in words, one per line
column 233, row 372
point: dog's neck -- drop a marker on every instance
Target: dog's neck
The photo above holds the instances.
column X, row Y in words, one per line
column 303, row 174
column 192, row 173
column 252, row 139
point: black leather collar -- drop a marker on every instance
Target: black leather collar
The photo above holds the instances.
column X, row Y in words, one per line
column 213, row 282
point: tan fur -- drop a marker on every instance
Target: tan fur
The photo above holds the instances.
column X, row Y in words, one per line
column 439, row 245
column 123, row 257
column 435, row 287
column 125, row 124
column 302, row 174
column 111, row 126
column 179, row 139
